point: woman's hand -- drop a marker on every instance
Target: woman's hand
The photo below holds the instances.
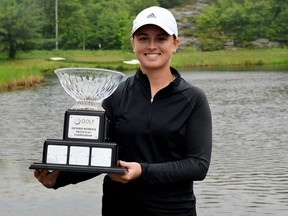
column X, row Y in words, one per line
column 47, row 178
column 133, row 171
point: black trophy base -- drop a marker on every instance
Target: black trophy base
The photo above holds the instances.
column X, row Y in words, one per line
column 72, row 156
column 77, row 168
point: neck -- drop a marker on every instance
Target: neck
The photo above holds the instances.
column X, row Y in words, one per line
column 159, row 80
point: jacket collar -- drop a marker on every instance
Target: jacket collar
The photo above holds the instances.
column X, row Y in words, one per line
column 143, row 79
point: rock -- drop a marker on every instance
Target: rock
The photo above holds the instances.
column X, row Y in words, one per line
column 184, row 16
column 265, row 43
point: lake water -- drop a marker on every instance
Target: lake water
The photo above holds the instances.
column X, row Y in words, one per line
column 248, row 174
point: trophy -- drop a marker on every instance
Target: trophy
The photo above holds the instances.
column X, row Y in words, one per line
column 84, row 147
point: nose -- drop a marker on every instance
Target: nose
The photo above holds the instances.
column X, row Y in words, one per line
column 152, row 45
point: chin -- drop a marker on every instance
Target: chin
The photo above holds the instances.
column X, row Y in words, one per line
column 152, row 66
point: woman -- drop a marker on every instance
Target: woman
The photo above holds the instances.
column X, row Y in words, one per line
column 162, row 126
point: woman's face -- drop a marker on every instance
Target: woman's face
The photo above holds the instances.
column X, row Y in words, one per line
column 153, row 47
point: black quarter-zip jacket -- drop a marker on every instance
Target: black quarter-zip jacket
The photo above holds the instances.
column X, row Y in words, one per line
column 169, row 135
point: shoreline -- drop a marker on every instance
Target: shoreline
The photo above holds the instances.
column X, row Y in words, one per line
column 30, row 68
column 35, row 81
column 31, row 82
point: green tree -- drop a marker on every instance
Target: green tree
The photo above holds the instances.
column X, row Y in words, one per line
column 88, row 23
column 72, row 24
column 243, row 21
column 48, row 28
column 138, row 5
column 20, row 25
column 170, row 3
column 209, row 30
column 280, row 21
column 107, row 24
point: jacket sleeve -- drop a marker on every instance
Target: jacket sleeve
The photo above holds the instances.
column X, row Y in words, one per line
column 198, row 151
column 67, row 178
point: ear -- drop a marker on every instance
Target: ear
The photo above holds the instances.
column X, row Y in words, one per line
column 132, row 43
column 176, row 44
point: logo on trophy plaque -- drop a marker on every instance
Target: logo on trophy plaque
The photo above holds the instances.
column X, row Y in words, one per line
column 83, row 148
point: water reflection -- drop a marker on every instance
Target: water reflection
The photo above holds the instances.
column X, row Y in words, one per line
column 248, row 174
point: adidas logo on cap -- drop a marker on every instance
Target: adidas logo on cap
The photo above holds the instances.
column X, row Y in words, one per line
column 152, row 15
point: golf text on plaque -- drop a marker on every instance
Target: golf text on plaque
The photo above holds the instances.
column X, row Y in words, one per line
column 83, row 148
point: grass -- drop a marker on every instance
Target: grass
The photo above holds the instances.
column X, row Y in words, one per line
column 241, row 57
column 15, row 78
column 30, row 68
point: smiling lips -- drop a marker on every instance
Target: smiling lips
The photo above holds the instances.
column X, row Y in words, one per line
column 152, row 54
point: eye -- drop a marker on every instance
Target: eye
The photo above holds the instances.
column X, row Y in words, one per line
column 161, row 38
column 143, row 38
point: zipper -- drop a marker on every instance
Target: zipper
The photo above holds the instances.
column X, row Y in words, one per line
column 149, row 114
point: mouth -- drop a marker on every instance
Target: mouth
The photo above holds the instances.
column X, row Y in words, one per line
column 152, row 54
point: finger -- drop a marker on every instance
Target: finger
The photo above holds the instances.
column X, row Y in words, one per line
column 50, row 178
column 41, row 175
column 125, row 165
column 53, row 175
column 36, row 173
column 117, row 178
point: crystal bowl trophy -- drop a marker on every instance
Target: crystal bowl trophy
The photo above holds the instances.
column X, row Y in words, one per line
column 83, row 148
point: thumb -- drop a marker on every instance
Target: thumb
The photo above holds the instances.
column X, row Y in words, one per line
column 123, row 163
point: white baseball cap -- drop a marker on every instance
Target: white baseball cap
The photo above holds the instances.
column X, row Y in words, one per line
column 156, row 16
